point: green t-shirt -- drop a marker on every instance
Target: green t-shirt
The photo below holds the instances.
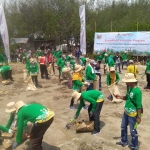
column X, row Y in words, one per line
column 92, row 97
column 133, row 101
column 83, row 61
column 76, row 85
column 99, row 57
column 89, row 75
column 148, row 67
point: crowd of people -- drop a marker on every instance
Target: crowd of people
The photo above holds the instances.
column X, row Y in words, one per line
column 84, row 78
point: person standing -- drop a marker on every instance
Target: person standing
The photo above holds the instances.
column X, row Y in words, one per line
column 43, row 66
column 132, row 111
column 41, row 118
column 147, row 72
column 124, row 59
column 118, row 61
column 90, row 74
column 50, row 62
column 96, row 99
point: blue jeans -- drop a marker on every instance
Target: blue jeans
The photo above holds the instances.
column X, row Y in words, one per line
column 117, row 66
column 124, row 63
column 131, row 121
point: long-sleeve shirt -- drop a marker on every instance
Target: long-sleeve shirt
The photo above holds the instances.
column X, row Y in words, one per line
column 89, row 75
column 92, row 97
column 108, row 78
column 32, row 112
column 33, row 69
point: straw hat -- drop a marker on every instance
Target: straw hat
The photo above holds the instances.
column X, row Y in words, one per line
column 31, row 60
column 10, row 107
column 129, row 77
column 76, row 96
column 78, row 68
column 18, row 105
column 112, row 69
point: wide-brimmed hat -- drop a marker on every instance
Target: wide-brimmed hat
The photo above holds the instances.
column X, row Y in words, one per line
column 131, row 61
column 112, row 69
column 78, row 68
column 76, row 96
column 18, row 105
column 129, row 77
column 31, row 60
column 10, row 107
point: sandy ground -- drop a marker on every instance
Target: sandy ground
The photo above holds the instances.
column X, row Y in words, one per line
column 58, row 98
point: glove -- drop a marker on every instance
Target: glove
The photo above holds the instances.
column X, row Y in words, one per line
column 75, row 117
column 15, row 145
column 91, row 114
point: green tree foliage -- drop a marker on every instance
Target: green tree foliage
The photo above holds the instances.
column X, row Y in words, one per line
column 59, row 19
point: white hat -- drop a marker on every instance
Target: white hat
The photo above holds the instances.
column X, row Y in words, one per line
column 112, row 69
column 131, row 61
column 78, row 68
column 125, row 51
column 76, row 96
column 18, row 105
column 10, row 107
column 129, row 77
column 106, row 54
column 31, row 60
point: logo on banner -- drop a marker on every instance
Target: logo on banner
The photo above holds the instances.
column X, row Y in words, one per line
column 98, row 36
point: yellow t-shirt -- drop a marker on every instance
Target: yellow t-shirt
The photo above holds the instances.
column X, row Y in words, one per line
column 133, row 69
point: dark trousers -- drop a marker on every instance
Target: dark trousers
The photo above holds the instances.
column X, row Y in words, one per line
column 8, row 75
column 37, row 132
column 35, row 80
column 72, row 102
column 100, row 85
column 90, row 87
column 96, row 115
column 148, row 80
column 43, row 70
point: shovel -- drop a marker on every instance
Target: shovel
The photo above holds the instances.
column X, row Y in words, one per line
column 68, row 125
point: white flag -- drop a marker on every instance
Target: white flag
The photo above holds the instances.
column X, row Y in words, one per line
column 4, row 32
column 82, row 29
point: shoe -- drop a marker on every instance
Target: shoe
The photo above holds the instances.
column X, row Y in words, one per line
column 95, row 132
column 85, row 107
column 72, row 108
column 110, row 98
column 121, row 144
column 146, row 87
column 132, row 148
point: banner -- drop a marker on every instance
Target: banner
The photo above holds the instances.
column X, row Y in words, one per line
column 82, row 29
column 120, row 41
column 4, row 32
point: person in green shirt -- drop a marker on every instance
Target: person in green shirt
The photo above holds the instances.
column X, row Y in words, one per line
column 90, row 74
column 96, row 99
column 132, row 111
column 111, row 78
column 41, row 117
column 99, row 57
column 111, row 62
column 83, row 61
column 6, row 73
column 124, row 57
column 33, row 70
column 147, row 72
column 24, row 54
column 3, row 60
